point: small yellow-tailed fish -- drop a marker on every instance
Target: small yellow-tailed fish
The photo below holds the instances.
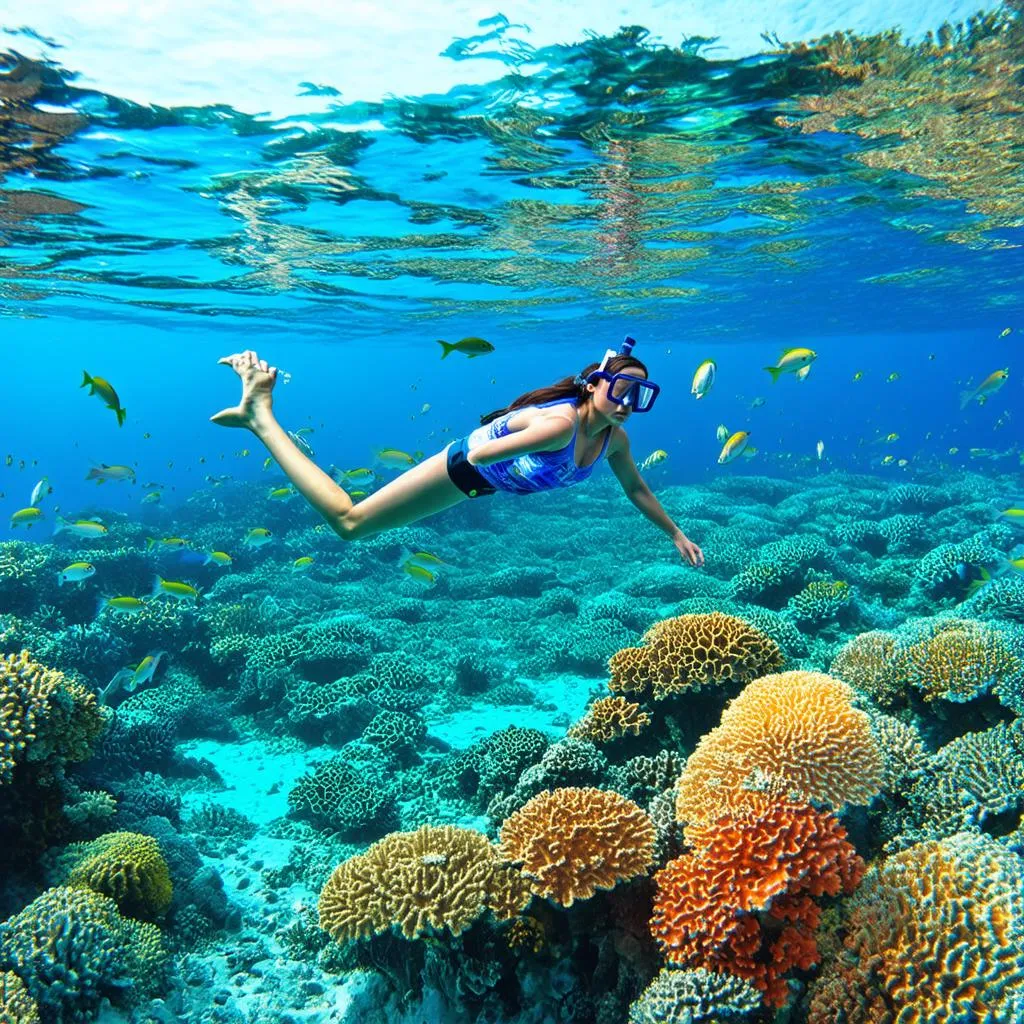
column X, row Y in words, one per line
column 953, row 450
column 703, row 378
column 1017, row 564
column 975, row 585
column 106, row 394
column 859, row 375
column 102, row 473
column 40, row 491
column 393, row 458
column 803, row 372
column 792, row 360
column 469, row 347
column 221, row 558
column 134, row 678
column 242, row 453
column 27, row 516
column 302, row 564
column 888, row 460
column 257, row 537
column 362, row 473
column 80, row 528
column 1013, row 513
column 357, row 495
column 734, row 447
column 76, row 572
column 268, row 462
column 417, row 572
column 892, row 437
column 721, row 433
column 989, row 386
column 165, row 542
column 281, row 493
column 425, row 557
column 1005, row 332
column 153, row 498
column 122, row 604
column 894, row 376
column 659, row 455
column 902, row 462
column 820, row 449
column 174, row 588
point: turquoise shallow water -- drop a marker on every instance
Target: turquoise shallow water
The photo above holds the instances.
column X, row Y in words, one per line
column 517, row 761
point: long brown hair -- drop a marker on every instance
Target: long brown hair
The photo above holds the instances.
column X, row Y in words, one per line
column 566, row 387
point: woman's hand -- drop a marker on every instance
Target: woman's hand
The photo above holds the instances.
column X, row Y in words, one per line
column 690, row 551
column 258, row 381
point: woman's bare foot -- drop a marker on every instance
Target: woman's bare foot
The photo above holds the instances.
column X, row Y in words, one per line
column 258, row 381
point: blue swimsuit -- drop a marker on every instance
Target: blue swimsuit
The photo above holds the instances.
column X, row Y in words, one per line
column 525, row 474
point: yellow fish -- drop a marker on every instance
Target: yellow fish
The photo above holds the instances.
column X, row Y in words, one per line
column 470, row 347
column 80, row 528
column 791, row 361
column 268, row 462
column 426, row 556
column 153, row 498
column 734, row 447
column 395, row 459
column 257, row 537
column 989, row 386
column 302, row 564
column 417, row 572
column 103, row 472
column 221, row 558
column 721, row 433
column 1013, row 513
column 656, row 457
column 953, row 450
column 173, row 588
column 362, row 473
column 703, row 379
column 888, row 460
column 1005, row 331
column 165, row 542
column 122, row 604
column 859, row 375
column 892, row 377
column 892, row 437
column 356, row 495
column 27, row 516
column 803, row 372
column 281, row 493
column 107, row 395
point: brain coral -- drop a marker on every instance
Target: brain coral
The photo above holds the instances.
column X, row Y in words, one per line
column 44, row 717
column 16, row 1005
column 936, row 933
column 422, row 881
column 683, row 653
column 572, row 842
column 678, row 996
column 126, row 866
column 794, row 736
column 706, row 912
column 72, row 948
column 610, row 718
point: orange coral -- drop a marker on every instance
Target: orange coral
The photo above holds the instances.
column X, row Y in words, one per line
column 572, row 842
column 608, row 719
column 705, row 912
column 683, row 653
column 791, row 736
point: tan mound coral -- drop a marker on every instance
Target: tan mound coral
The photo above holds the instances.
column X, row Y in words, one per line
column 126, row 866
column 684, row 653
column 572, row 842
column 792, row 736
column 44, row 716
column 866, row 662
column 610, row 718
column 432, row 879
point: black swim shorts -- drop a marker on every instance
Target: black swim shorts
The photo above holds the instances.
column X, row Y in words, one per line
column 464, row 475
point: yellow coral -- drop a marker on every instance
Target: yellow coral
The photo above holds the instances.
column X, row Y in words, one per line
column 16, row 1005
column 608, row 719
column 572, row 842
column 43, row 715
column 683, row 653
column 526, row 934
column 792, row 736
column 431, row 879
column 867, row 663
column 126, row 866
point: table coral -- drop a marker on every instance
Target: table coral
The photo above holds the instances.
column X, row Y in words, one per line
column 794, row 736
column 775, row 861
column 422, row 882
column 936, row 933
column 573, row 841
column 686, row 652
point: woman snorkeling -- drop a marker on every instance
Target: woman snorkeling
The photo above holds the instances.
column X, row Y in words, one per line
column 547, row 438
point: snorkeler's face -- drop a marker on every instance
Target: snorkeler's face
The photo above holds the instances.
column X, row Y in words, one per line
column 611, row 411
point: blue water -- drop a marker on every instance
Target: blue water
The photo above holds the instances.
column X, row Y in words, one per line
column 339, row 191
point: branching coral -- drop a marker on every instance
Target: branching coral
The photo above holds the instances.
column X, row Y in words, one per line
column 429, row 880
column 789, row 736
column 935, row 933
column 572, row 842
column 777, row 860
column 686, row 652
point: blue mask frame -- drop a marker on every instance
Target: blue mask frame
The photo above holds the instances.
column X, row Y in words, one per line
column 640, row 395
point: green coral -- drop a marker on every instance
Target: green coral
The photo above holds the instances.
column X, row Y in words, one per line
column 16, row 1005
column 820, row 601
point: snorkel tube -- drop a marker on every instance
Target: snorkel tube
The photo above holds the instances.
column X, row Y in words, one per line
column 625, row 349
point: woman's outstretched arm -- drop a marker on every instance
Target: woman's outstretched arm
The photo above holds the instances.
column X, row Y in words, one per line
column 255, row 412
column 621, row 460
